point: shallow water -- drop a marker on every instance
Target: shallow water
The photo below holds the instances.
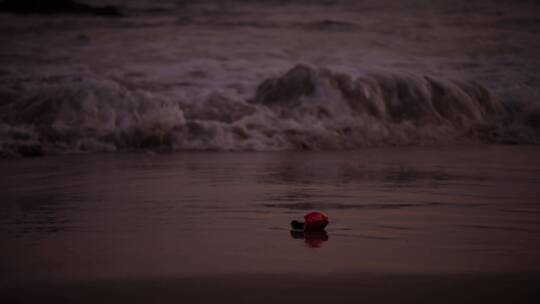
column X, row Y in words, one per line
column 413, row 210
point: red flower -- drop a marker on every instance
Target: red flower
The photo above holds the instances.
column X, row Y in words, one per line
column 315, row 221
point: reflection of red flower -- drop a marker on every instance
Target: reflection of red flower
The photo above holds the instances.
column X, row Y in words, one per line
column 315, row 239
column 315, row 221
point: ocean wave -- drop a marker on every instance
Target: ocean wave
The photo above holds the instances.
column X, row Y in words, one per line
column 305, row 108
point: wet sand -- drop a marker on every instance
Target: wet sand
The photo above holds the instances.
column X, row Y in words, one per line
column 346, row 288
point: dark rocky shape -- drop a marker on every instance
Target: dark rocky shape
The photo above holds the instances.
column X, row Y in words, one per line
column 71, row 7
column 297, row 225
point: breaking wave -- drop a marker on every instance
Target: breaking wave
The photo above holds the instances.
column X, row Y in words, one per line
column 305, row 108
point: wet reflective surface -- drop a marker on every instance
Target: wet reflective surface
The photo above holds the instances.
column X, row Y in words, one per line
column 436, row 210
column 313, row 239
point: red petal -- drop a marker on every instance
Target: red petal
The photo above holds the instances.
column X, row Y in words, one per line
column 315, row 221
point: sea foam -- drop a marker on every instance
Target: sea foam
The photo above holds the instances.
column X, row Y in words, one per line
column 304, row 108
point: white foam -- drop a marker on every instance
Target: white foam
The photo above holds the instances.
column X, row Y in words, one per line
column 305, row 108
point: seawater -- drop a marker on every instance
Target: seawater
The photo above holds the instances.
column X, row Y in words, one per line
column 452, row 209
column 270, row 75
